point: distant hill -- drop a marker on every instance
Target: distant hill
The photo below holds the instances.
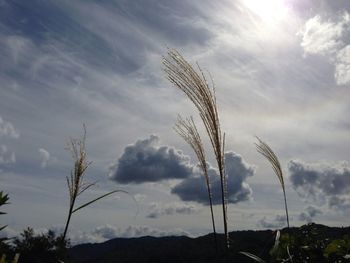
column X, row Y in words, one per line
column 185, row 249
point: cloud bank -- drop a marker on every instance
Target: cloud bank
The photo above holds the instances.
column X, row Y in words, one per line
column 309, row 214
column 107, row 232
column 322, row 183
column 146, row 161
column 194, row 188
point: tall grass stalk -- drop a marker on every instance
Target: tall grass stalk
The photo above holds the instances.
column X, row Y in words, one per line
column 268, row 153
column 187, row 129
column 194, row 84
column 76, row 184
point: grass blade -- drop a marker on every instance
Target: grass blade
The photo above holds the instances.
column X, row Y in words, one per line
column 98, row 198
column 252, row 256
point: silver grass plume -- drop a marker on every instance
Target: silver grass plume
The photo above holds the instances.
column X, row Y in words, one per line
column 268, row 153
column 195, row 86
column 187, row 129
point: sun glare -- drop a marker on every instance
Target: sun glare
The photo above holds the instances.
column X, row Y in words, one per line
column 268, row 10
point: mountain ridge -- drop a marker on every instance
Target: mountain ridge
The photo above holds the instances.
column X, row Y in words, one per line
column 186, row 249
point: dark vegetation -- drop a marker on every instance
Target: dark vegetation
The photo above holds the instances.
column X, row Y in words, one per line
column 42, row 248
column 310, row 243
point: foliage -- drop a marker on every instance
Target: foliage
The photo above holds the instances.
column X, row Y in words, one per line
column 45, row 247
column 3, row 201
column 308, row 243
column 338, row 249
column 5, row 249
column 312, row 244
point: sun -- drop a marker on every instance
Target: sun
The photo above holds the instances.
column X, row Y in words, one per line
column 272, row 11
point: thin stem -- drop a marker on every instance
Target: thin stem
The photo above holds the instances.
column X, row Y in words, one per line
column 286, row 207
column 187, row 129
column 68, row 221
column 194, row 85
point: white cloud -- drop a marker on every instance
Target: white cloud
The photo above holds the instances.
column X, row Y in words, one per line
column 329, row 38
column 44, row 157
column 319, row 37
column 7, row 129
column 342, row 66
column 277, row 222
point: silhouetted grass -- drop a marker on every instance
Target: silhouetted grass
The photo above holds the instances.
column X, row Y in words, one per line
column 195, row 86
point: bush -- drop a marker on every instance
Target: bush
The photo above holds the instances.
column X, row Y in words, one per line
column 41, row 248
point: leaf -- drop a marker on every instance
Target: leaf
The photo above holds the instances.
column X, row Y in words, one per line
column 98, row 198
column 252, row 256
column 3, row 198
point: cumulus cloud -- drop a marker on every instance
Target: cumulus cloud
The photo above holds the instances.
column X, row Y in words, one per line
column 321, row 37
column 44, row 157
column 330, row 38
column 6, row 156
column 147, row 161
column 277, row 222
column 309, row 213
column 158, row 210
column 322, row 183
column 237, row 170
column 7, row 129
column 106, row 232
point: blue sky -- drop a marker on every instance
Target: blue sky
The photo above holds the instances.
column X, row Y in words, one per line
column 281, row 70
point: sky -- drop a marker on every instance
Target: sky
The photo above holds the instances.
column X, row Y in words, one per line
column 281, row 70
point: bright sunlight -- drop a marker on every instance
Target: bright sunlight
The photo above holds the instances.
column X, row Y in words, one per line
column 270, row 11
